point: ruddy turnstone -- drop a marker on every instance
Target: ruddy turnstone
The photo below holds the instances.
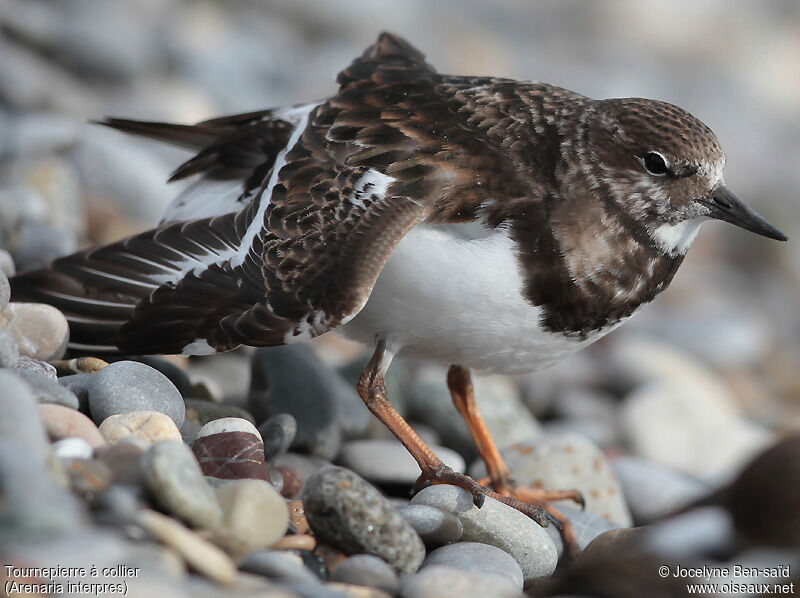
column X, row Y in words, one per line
column 486, row 223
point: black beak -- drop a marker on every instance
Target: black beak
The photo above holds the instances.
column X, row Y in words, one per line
column 724, row 205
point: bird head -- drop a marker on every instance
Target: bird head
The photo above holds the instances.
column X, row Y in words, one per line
column 662, row 168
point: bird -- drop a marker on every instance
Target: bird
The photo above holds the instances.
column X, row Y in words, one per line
column 487, row 224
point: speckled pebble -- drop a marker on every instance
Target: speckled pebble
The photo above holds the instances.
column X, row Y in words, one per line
column 63, row 422
column 568, row 462
column 367, row 570
column 47, row 390
column 387, row 461
column 433, row 525
column 41, row 331
column 146, row 425
column 277, row 432
column 127, row 386
column 496, row 524
column 482, row 559
column 35, row 365
column 347, row 512
column 254, row 516
column 174, row 477
column 9, row 350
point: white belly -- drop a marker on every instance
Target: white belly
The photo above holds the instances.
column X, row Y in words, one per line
column 451, row 300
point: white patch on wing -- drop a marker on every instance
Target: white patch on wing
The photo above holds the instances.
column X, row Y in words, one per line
column 675, row 239
column 299, row 115
column 371, row 183
column 205, row 198
column 198, row 347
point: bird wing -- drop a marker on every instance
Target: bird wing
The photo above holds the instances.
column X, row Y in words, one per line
column 393, row 148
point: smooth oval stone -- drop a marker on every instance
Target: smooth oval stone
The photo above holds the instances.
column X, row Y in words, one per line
column 201, row 555
column 345, row 511
column 367, row 570
column 146, row 425
column 20, row 420
column 280, row 565
column 387, row 461
column 41, row 331
column 433, row 525
column 475, row 557
column 63, row 422
column 254, row 516
column 127, row 386
column 496, row 524
column 177, row 483
column 9, row 350
column 445, row 582
column 47, row 390
column 231, row 448
column 277, row 432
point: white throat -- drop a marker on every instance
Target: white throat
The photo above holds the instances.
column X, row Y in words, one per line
column 675, row 239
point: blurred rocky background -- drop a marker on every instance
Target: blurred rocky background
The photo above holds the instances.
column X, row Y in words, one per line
column 677, row 401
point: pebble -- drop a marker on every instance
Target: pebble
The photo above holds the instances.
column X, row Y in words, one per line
column 231, row 448
column 496, row 524
column 72, row 448
column 292, row 379
column 5, row 291
column 33, row 507
column 367, row 570
column 176, row 374
column 87, row 477
column 499, row 402
column 697, row 534
column 568, row 462
column 296, row 469
column 433, row 525
column 63, row 422
column 177, row 483
column 202, row 411
column 586, row 526
column 445, row 582
column 297, row 515
column 277, row 432
column 254, row 516
column 126, row 386
column 387, row 461
column 36, row 365
column 7, row 264
column 147, row 425
column 348, row 513
column 9, row 350
column 201, row 555
column 78, row 384
column 652, row 490
column 47, row 390
column 279, row 565
column 41, row 331
column 124, row 460
column 677, row 425
column 475, row 557
column 20, row 421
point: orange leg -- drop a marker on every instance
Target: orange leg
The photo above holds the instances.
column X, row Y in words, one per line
column 499, row 477
column 372, row 390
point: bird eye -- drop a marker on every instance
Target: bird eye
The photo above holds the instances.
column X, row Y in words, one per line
column 655, row 163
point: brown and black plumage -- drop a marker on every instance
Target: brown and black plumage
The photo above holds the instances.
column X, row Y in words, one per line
column 489, row 223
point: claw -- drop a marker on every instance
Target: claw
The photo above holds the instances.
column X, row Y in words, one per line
column 553, row 520
column 580, row 500
column 478, row 500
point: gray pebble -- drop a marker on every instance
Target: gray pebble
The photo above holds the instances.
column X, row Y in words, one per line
column 387, row 461
column 127, row 386
column 433, row 525
column 478, row 558
column 652, row 490
column 496, row 524
column 278, row 564
column 696, row 534
column 367, row 570
column 445, row 582
column 278, row 432
column 78, row 384
column 174, row 477
column 7, row 263
column 33, row 506
column 20, row 421
column 586, row 525
column 36, row 365
column 9, row 350
column 345, row 511
column 5, row 290
column 47, row 390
